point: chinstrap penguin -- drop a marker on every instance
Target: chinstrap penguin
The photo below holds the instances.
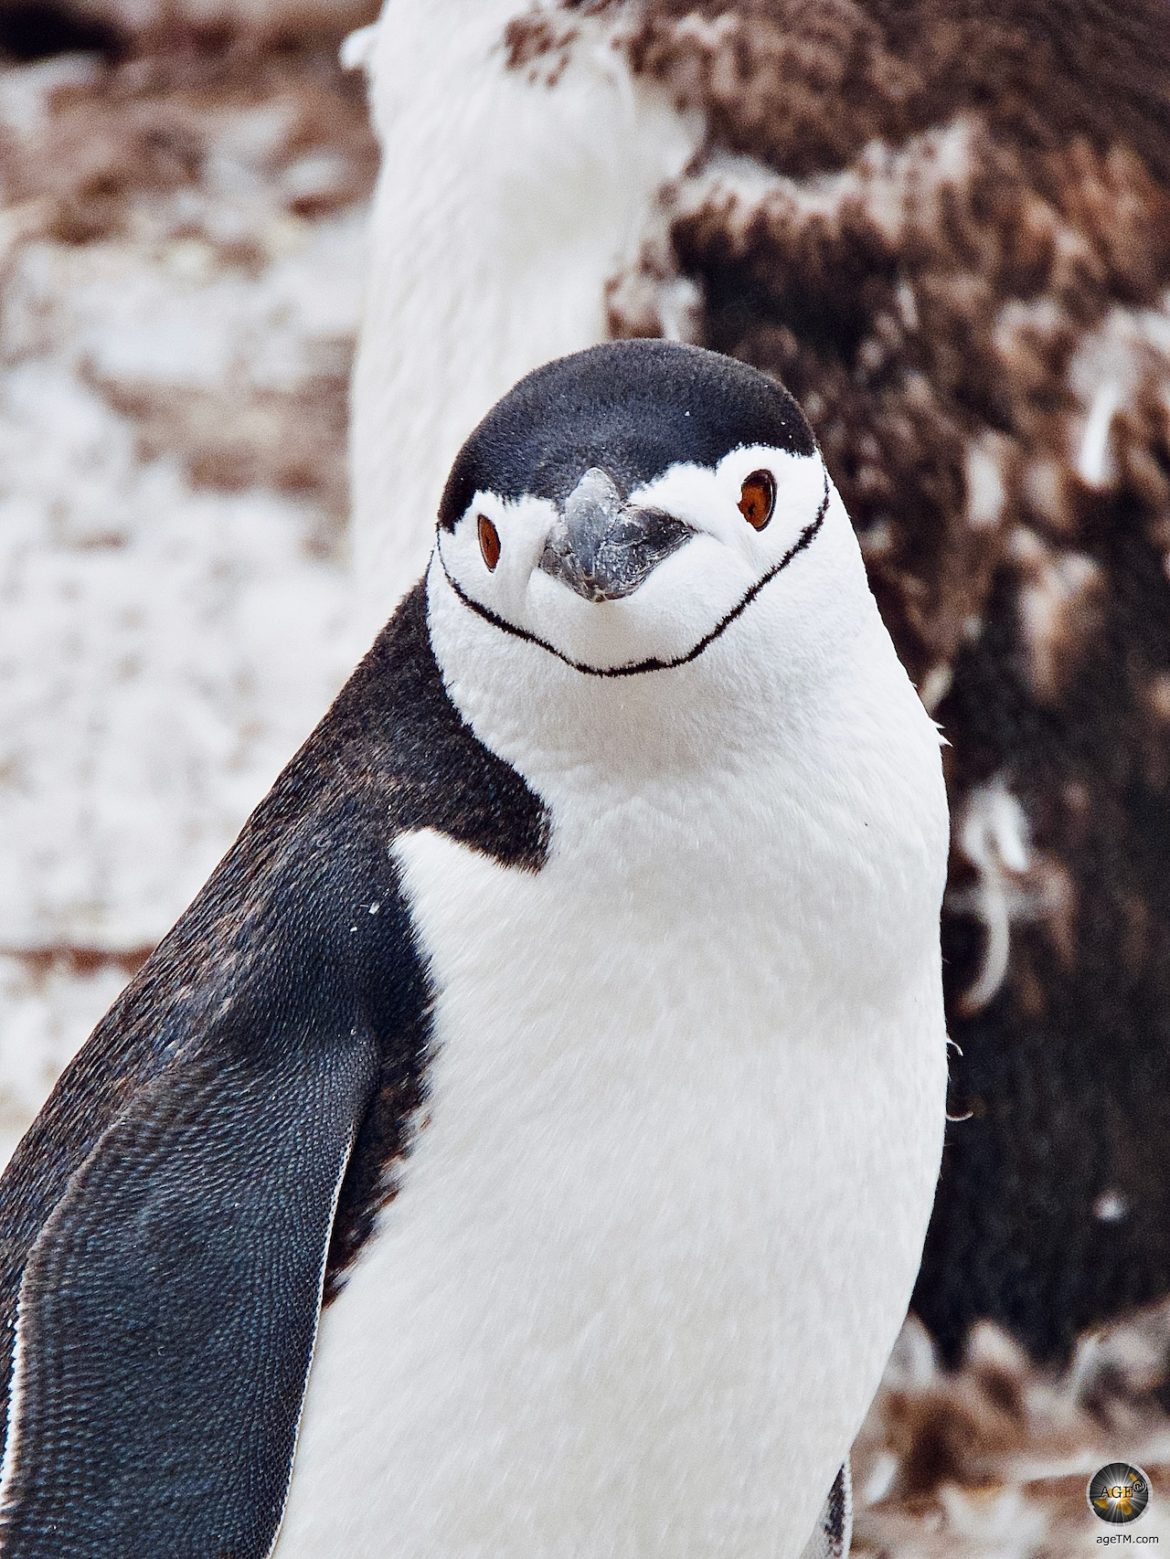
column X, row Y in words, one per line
column 564, row 1031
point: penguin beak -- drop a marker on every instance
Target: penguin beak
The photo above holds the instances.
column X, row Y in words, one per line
column 602, row 548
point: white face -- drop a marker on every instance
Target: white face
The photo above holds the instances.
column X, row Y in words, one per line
column 642, row 566
column 709, row 545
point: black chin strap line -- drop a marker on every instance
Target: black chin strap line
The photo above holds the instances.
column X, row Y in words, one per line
column 636, row 669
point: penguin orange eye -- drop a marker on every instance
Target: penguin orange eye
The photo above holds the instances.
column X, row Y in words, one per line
column 757, row 498
column 489, row 541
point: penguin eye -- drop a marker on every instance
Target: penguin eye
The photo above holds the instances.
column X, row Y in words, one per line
column 489, row 542
column 757, row 498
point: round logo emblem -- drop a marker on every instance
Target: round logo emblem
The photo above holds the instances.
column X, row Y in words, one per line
column 1119, row 1493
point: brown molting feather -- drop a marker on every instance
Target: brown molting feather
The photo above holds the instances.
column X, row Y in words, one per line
column 996, row 1458
column 946, row 227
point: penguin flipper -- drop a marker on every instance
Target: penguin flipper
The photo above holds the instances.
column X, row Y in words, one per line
column 169, row 1307
column 834, row 1529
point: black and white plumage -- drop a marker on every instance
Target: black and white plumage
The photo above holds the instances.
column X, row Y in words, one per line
column 945, row 227
column 168, row 1222
column 568, row 1017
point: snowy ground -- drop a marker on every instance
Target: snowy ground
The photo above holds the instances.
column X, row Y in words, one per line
column 180, row 276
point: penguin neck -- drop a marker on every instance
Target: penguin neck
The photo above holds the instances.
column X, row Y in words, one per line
column 478, row 280
column 821, row 783
column 736, row 710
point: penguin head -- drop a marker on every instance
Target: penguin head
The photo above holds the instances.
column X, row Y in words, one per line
column 622, row 508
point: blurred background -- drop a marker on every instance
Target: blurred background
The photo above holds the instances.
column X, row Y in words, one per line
column 947, row 227
column 184, row 192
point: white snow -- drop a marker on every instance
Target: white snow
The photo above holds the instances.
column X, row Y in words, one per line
column 167, row 638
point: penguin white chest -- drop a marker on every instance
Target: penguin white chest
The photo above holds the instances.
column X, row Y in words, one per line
column 660, row 1224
